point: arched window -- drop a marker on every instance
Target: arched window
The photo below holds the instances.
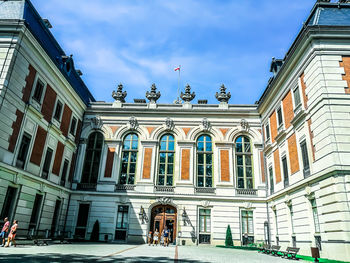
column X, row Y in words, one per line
column 244, row 163
column 166, row 160
column 92, row 158
column 129, row 157
column 204, row 161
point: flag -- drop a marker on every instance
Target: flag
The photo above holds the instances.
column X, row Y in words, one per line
column 178, row 68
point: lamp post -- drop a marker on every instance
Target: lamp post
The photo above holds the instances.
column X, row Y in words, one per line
column 184, row 217
column 142, row 215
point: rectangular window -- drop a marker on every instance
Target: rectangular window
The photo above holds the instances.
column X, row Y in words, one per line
column 9, row 205
column 285, row 171
column 204, row 226
column 291, row 213
column 279, row 116
column 55, row 218
column 83, row 214
column 305, row 157
column 267, row 129
column 297, row 100
column 72, row 125
column 271, row 180
column 38, row 92
column 34, row 218
column 122, row 222
column 58, row 110
column 315, row 215
column 64, row 172
column 247, row 227
column 23, row 150
column 47, row 163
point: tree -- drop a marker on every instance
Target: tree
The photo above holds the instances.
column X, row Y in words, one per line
column 95, row 232
column 228, row 240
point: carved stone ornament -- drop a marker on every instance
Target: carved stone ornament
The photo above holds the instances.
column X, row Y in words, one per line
column 42, row 188
column 187, row 96
column 133, row 124
column 96, row 122
column 223, row 96
column 244, row 124
column 308, row 193
column 206, row 124
column 16, row 178
column 152, row 95
column 123, row 199
column 205, row 203
column 288, row 200
column 273, row 206
column 248, row 205
column 120, row 94
column 169, row 123
column 164, row 200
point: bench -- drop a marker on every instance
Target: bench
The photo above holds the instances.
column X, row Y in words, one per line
column 264, row 248
column 291, row 251
column 273, row 250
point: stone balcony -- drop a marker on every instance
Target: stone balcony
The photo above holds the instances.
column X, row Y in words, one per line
column 246, row 192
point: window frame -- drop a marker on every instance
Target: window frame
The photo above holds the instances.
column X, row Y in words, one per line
column 166, row 163
column 285, row 171
column 24, row 134
column 244, row 154
column 64, row 172
column 271, row 181
column 75, row 126
column 280, row 123
column 296, row 105
column 267, row 132
column 129, row 151
column 246, row 218
column 314, row 209
column 59, row 118
column 46, row 173
column 205, row 163
column 305, row 158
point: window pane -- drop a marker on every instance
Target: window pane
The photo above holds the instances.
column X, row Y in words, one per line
column 208, row 170
column 123, row 178
column 171, row 146
column 248, row 160
column 200, row 170
column 240, row 183
column 247, row 147
column 169, row 180
column 240, row 171
column 239, row 148
column 208, row 147
column 131, row 179
column 208, row 158
column 200, row 181
column 132, row 168
column 239, row 159
column 163, row 146
column 124, row 167
column 162, row 157
column 133, row 157
column 200, row 146
column 170, row 169
column 201, row 158
column 161, row 180
column 162, row 169
column 249, row 183
column 248, row 171
column 134, row 144
column 208, row 182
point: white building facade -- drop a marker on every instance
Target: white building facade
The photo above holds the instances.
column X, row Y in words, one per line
column 276, row 171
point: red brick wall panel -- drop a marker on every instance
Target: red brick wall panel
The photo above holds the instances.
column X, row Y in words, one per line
column 276, row 158
column 147, row 162
column 185, row 164
column 273, row 126
column 109, row 162
column 303, row 90
column 58, row 159
column 293, row 154
column 38, row 148
column 65, row 122
column 225, row 167
column 16, row 126
column 262, row 166
column 346, row 65
column 48, row 103
column 288, row 112
column 29, row 84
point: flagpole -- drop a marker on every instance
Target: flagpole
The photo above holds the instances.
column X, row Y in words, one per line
column 178, row 86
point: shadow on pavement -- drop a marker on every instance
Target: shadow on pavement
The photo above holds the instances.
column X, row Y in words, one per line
column 51, row 257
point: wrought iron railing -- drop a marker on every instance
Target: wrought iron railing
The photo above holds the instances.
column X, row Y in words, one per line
column 164, row 188
column 206, row 190
column 124, row 187
column 87, row 186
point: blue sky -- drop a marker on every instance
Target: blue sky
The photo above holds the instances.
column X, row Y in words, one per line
column 140, row 42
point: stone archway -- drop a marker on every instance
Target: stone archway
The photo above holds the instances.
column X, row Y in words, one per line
column 164, row 215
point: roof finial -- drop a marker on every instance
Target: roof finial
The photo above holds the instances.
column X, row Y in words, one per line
column 223, row 96
column 152, row 95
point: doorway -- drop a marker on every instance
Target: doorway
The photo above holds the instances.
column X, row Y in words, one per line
column 164, row 215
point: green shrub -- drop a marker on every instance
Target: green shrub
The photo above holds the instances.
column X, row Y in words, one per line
column 228, row 240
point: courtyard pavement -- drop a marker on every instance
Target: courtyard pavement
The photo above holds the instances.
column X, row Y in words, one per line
column 89, row 252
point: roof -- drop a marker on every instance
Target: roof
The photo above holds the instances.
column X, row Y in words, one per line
column 24, row 10
column 322, row 14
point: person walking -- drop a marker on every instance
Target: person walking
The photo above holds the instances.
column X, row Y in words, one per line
column 4, row 231
column 12, row 234
column 155, row 237
column 149, row 238
column 166, row 236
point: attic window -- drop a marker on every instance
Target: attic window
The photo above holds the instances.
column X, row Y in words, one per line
column 202, row 101
column 68, row 66
column 47, row 23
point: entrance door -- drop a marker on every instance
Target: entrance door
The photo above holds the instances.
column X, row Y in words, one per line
column 164, row 215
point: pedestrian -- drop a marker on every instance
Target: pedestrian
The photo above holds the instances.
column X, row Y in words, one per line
column 155, row 237
column 166, row 236
column 12, row 234
column 4, row 231
column 149, row 238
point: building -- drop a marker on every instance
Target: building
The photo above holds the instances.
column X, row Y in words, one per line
column 276, row 171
